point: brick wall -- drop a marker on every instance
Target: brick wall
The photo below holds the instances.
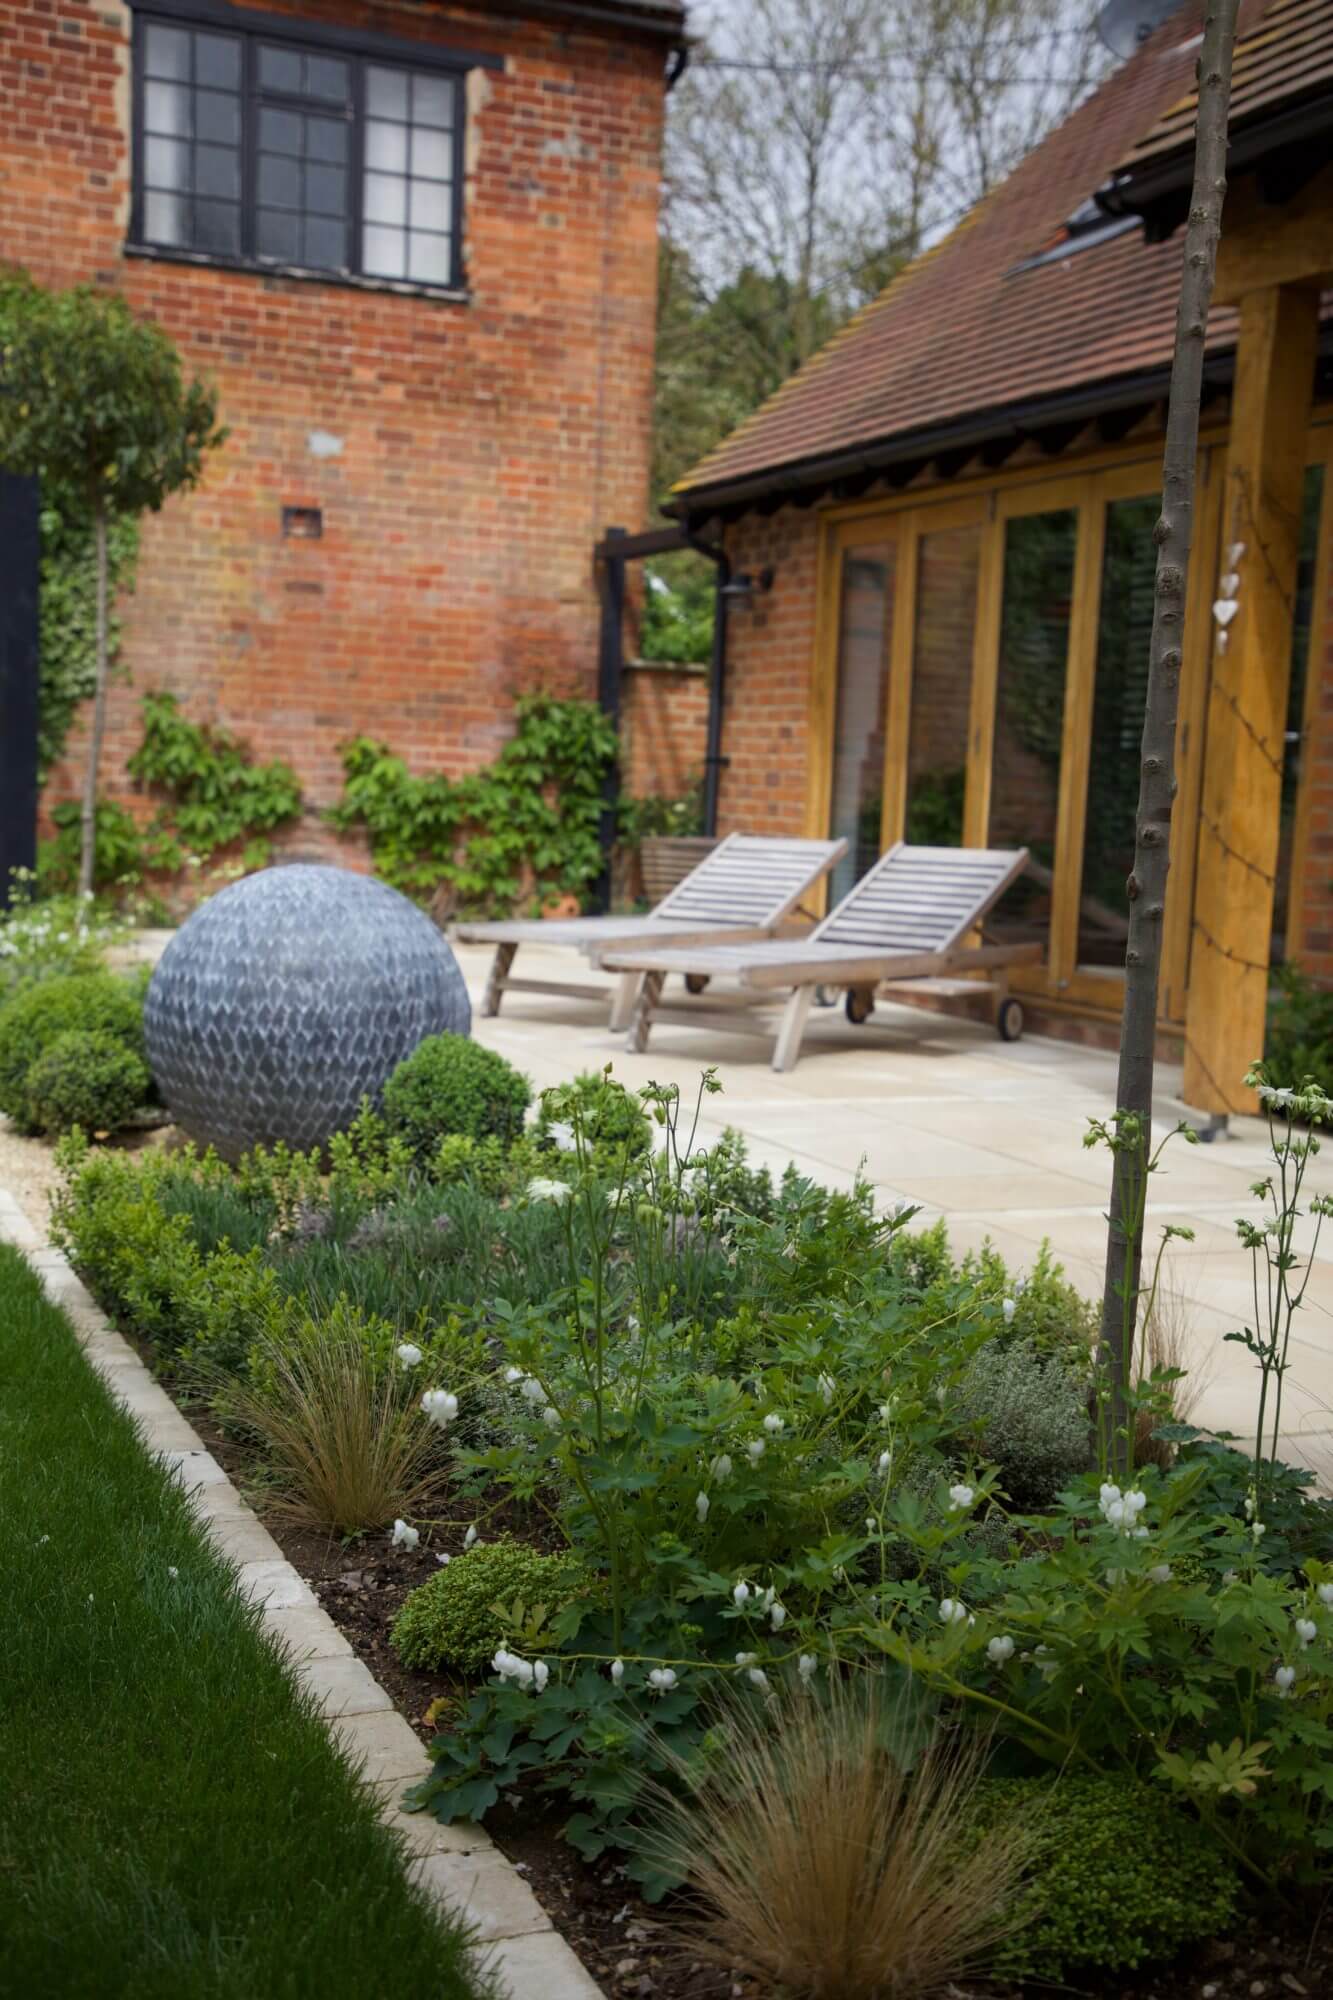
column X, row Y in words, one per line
column 472, row 452
column 770, row 652
column 663, row 729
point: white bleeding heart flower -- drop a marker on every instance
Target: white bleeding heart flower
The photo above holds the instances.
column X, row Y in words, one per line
column 740, row 1596
column 960, row 1499
column 774, row 1425
column 409, row 1353
column 720, row 1468
column 885, row 1461
column 471, row 1538
column 440, row 1407
column 953, row 1611
column 541, row 1673
column 513, row 1376
column 777, row 1616
column 701, row 1504
column 1000, row 1651
column 533, row 1391
column 662, row 1679
column 551, row 1417
column 1008, row 1307
column 1160, row 1573
column 828, row 1389
column 617, row 1671
column 1325, row 1593
column 1306, row 1631
column 807, row 1666
column 443, row 1561
column 755, row 1450
column 1224, row 610
column 405, row 1537
column 1285, row 1678
column 746, row 1659
column 758, row 1678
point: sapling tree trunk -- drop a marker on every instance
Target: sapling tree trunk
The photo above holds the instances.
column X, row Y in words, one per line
column 88, row 817
column 1157, row 780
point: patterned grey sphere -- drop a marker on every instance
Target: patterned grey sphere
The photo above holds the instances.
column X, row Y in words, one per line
column 287, row 998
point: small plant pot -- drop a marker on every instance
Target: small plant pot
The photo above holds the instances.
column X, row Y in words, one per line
column 666, row 859
column 561, row 906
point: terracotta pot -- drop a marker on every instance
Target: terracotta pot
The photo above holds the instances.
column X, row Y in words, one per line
column 561, row 906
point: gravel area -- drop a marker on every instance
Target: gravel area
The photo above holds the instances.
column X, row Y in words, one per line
column 28, row 1170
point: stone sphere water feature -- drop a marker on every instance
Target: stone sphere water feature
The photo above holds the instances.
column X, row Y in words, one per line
column 288, row 997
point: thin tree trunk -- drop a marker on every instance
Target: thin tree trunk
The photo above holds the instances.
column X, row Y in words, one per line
column 1157, row 779
column 88, row 817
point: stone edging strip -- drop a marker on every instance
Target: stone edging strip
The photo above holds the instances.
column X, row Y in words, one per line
column 460, row 1864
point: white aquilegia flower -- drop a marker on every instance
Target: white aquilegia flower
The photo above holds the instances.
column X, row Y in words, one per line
column 828, row 1389
column 1306, row 1631
column 541, row 1673
column 758, row 1678
column 777, row 1616
column 807, row 1667
column 720, row 1468
column 960, row 1499
column 1325, row 1593
column 953, row 1611
column 1160, row 1573
column 533, row 1391
column 746, row 1659
column 701, row 1506
column 562, row 1137
column 405, row 1537
column 441, row 1408
column 1286, row 1680
column 617, row 1671
column 740, row 1596
column 408, row 1353
column 773, row 1424
column 755, row 1450
column 1008, row 1307
column 662, row 1679
column 471, row 1538
column 556, row 1191
column 1000, row 1651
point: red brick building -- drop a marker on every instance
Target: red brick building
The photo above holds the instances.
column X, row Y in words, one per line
column 413, row 242
column 956, row 499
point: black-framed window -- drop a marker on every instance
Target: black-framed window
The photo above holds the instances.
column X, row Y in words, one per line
column 253, row 146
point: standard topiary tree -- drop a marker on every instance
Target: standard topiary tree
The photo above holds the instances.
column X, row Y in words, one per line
column 92, row 401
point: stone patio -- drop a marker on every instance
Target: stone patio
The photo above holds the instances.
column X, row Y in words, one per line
column 987, row 1134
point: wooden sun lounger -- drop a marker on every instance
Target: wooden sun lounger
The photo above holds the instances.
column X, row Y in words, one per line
column 741, row 890
column 909, row 918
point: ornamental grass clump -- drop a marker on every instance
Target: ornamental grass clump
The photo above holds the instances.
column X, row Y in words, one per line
column 825, row 1869
column 348, row 1443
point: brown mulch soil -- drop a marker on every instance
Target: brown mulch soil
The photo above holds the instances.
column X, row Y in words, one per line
column 628, row 1945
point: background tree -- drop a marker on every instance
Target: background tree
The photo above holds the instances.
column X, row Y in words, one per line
column 92, row 401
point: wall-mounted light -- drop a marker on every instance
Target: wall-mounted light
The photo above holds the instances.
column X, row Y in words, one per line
column 744, row 587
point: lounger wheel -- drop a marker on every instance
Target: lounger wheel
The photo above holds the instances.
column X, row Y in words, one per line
column 696, row 982
column 860, row 1004
column 826, row 996
column 1009, row 1020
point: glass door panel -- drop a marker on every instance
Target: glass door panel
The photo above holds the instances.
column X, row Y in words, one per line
column 948, row 567
column 1120, row 685
column 1294, row 742
column 865, row 625
column 1029, row 714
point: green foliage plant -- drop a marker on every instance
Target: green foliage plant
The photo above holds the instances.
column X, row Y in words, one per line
column 49, row 937
column 1299, row 1036
column 1118, row 1874
column 451, row 1084
column 526, row 824
column 67, row 610
column 611, row 1121
column 679, row 604
column 457, row 1619
column 95, row 406
column 655, row 815
column 85, row 1077
column 1028, row 1416
column 93, row 1002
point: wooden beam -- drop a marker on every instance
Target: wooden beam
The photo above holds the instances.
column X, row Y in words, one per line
column 1263, row 245
column 1247, row 707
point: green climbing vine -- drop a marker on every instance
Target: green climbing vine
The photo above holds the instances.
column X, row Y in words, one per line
column 523, row 826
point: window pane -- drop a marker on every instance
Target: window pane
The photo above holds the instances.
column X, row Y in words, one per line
column 432, row 154
column 166, row 108
column 280, row 69
column 1294, row 746
column 432, row 100
column 1124, row 627
column 166, row 163
column 384, row 251
column 386, row 93
column 217, row 171
column 865, row 620
column 326, row 139
column 280, row 131
column 326, row 77
column 946, row 601
column 278, row 235
column 217, row 117
column 217, row 227
column 386, row 147
column 428, row 259
column 279, row 181
column 217, row 60
column 386, row 199
column 1029, row 713
column 430, row 205
column 325, row 243
column 167, row 53
column 166, row 218
column 325, row 190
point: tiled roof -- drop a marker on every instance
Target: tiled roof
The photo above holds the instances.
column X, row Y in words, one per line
column 665, row 18
column 974, row 326
column 1287, row 58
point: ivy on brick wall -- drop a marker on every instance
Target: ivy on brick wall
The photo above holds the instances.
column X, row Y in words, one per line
column 67, row 640
column 525, row 826
column 210, row 796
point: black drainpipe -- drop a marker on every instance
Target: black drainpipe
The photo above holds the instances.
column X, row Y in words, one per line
column 714, row 761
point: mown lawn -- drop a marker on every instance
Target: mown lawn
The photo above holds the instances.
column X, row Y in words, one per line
column 174, row 1821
